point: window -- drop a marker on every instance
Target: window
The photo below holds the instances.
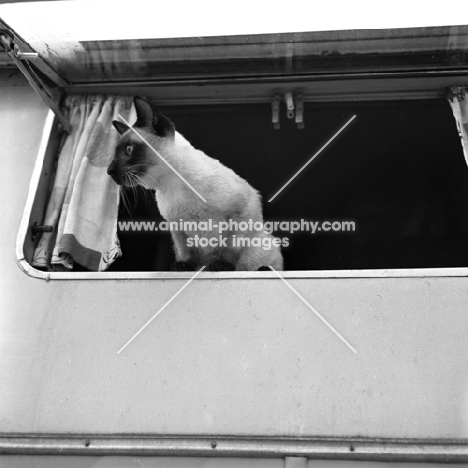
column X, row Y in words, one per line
column 396, row 174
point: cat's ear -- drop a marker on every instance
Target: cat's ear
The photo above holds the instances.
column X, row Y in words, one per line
column 144, row 112
column 147, row 118
column 120, row 127
column 162, row 125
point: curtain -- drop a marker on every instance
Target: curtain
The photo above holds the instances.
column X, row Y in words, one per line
column 83, row 204
column 459, row 103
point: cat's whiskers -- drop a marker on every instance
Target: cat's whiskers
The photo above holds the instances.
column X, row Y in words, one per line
column 125, row 200
column 140, row 181
column 133, row 188
column 133, row 184
column 149, row 177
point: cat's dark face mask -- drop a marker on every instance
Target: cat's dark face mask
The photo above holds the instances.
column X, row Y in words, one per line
column 132, row 156
column 130, row 162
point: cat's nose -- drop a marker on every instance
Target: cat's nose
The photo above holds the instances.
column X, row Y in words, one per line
column 111, row 169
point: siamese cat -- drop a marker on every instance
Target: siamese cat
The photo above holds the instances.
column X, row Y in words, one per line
column 228, row 196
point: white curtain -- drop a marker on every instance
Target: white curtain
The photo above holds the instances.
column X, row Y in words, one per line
column 459, row 103
column 83, row 204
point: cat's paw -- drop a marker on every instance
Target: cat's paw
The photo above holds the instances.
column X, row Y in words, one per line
column 219, row 265
column 183, row 266
column 264, row 268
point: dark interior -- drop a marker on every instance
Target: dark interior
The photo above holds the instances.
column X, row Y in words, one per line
column 397, row 171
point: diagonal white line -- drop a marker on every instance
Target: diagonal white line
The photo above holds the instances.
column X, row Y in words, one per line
column 312, row 158
column 160, row 310
column 314, row 311
column 159, row 155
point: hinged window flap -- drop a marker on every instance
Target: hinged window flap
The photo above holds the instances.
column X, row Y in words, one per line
column 84, row 49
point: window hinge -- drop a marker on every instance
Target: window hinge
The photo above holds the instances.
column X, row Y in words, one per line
column 294, row 109
column 51, row 95
column 25, row 55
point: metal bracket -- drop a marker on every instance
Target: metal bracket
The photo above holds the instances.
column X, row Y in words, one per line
column 300, row 111
column 50, row 95
column 36, row 228
column 275, row 110
column 288, row 99
column 456, row 92
column 294, row 109
column 25, row 55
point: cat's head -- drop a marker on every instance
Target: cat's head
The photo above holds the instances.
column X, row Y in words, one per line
column 135, row 161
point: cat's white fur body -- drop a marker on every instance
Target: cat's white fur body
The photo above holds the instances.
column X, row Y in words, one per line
column 227, row 196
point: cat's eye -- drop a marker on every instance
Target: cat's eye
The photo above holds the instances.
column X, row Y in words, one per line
column 129, row 150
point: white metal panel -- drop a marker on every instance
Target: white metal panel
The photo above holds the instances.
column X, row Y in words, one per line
column 240, row 357
column 236, row 358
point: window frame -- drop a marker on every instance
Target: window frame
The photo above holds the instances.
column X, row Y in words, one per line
column 48, row 145
column 364, row 85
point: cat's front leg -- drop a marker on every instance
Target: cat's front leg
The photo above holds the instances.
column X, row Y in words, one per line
column 220, row 265
column 184, row 266
column 186, row 258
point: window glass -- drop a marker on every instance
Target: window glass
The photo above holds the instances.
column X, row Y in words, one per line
column 397, row 172
column 182, row 41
